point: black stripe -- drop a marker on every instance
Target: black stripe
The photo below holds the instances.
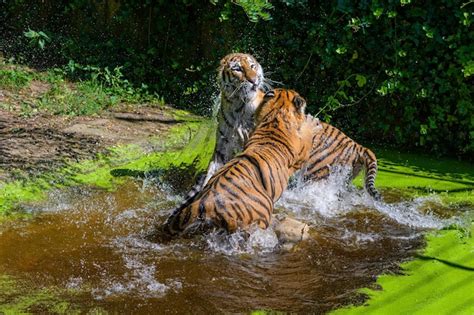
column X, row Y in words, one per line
column 186, row 217
column 220, row 205
column 256, row 165
column 238, row 211
column 327, row 154
column 251, row 180
column 329, row 140
column 270, row 112
column 223, row 135
column 246, row 194
column 202, row 211
column 272, row 136
column 349, row 149
column 272, row 178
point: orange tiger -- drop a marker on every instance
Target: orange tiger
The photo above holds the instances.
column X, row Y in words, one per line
column 331, row 147
column 244, row 190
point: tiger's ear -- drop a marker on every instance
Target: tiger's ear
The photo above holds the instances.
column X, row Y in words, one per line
column 269, row 95
column 299, row 103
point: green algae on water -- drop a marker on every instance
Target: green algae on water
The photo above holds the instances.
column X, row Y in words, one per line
column 16, row 298
column 438, row 281
column 421, row 175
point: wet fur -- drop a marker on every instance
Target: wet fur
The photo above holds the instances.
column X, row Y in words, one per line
column 332, row 148
column 245, row 189
column 240, row 93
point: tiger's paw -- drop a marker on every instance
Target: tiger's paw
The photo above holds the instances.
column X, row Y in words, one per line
column 289, row 230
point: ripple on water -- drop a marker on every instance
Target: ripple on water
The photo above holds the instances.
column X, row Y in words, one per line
column 91, row 241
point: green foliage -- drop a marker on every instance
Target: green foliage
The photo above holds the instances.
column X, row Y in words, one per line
column 406, row 67
column 255, row 9
column 37, row 39
column 388, row 72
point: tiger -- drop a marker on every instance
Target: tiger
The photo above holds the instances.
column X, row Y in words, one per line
column 242, row 86
column 244, row 190
column 235, row 121
column 331, row 147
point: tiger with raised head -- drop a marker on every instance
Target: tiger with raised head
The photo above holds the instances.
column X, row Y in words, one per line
column 241, row 82
column 245, row 189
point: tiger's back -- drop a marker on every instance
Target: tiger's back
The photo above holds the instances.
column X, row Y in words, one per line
column 333, row 148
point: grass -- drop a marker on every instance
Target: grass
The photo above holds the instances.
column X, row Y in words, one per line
column 98, row 90
column 86, row 98
column 18, row 299
column 14, row 78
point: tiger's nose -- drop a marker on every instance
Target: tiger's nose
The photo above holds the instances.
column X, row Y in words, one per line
column 254, row 83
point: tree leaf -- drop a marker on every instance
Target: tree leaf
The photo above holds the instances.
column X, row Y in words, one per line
column 361, row 80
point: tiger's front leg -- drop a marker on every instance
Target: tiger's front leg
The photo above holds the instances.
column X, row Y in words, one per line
column 223, row 153
column 214, row 165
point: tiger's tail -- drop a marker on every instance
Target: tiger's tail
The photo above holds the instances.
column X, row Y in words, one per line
column 196, row 189
column 370, row 164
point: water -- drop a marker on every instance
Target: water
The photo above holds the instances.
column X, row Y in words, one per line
column 87, row 246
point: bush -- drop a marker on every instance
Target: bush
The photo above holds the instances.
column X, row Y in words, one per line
column 398, row 72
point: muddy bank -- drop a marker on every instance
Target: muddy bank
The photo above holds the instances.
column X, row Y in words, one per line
column 45, row 142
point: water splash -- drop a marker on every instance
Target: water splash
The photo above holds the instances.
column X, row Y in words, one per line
column 140, row 279
column 92, row 241
column 328, row 198
column 333, row 197
column 254, row 241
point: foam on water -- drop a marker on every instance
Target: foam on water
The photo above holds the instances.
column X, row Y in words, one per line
column 332, row 197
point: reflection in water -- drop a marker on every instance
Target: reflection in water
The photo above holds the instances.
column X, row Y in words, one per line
column 91, row 242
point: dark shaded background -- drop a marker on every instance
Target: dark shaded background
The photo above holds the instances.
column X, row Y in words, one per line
column 401, row 71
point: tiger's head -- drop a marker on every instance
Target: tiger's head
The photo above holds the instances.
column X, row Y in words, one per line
column 284, row 110
column 240, row 76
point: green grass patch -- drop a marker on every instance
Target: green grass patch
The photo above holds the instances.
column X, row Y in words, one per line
column 438, row 281
column 96, row 90
column 14, row 78
column 17, row 192
column 419, row 175
column 85, row 98
column 19, row 299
